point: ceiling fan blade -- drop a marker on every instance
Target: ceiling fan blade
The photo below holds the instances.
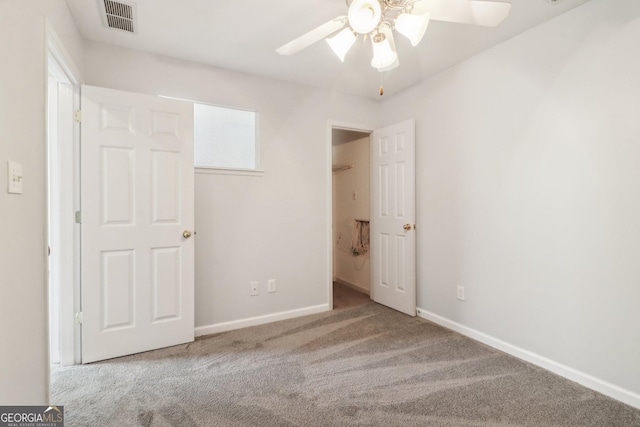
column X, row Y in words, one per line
column 487, row 13
column 313, row 36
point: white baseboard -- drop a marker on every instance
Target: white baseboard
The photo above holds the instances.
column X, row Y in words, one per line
column 606, row 388
column 259, row 320
column 348, row 284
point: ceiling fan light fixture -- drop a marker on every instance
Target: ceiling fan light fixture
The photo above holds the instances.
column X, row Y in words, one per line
column 412, row 27
column 384, row 51
column 364, row 15
column 379, row 19
column 341, row 42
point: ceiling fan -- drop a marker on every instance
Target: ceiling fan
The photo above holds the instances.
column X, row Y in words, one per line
column 377, row 19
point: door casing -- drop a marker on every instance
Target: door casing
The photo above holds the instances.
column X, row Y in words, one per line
column 336, row 124
column 67, row 197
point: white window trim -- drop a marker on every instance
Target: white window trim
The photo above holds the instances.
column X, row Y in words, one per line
column 258, row 171
column 228, row 171
column 235, row 171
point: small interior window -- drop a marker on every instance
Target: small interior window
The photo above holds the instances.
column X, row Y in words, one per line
column 225, row 138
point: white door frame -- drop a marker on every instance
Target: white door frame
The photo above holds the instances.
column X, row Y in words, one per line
column 61, row 66
column 335, row 124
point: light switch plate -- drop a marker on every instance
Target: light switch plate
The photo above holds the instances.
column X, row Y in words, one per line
column 14, row 178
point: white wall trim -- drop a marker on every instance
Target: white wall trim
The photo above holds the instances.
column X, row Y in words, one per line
column 60, row 64
column 56, row 49
column 259, row 320
column 606, row 388
column 222, row 171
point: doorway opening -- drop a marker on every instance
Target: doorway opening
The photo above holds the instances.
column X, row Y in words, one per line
column 391, row 215
column 350, row 151
column 63, row 233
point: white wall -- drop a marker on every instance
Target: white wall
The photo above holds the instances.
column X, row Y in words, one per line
column 23, row 309
column 251, row 228
column 528, row 172
column 355, row 271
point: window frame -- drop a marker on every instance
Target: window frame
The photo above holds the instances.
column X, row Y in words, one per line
column 217, row 170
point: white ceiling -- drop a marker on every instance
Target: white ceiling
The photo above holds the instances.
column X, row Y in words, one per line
column 242, row 35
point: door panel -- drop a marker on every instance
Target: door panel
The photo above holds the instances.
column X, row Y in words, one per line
column 137, row 199
column 117, row 285
column 166, row 283
column 393, row 205
column 117, row 185
column 166, row 187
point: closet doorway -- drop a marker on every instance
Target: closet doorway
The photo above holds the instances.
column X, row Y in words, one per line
column 350, row 217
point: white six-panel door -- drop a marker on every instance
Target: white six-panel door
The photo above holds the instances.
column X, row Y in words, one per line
column 137, row 203
column 393, row 238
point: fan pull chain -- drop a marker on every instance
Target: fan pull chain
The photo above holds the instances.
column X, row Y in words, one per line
column 381, row 86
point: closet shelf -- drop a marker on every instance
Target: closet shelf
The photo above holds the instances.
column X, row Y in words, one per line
column 340, row 168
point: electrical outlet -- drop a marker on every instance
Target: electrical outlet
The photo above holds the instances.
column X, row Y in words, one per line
column 460, row 293
column 271, row 285
column 255, row 289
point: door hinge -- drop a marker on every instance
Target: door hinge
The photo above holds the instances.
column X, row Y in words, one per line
column 79, row 318
column 78, row 217
column 77, row 116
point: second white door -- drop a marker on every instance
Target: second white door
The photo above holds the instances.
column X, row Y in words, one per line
column 393, row 239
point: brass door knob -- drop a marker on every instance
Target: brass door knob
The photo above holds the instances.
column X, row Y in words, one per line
column 186, row 234
column 407, row 227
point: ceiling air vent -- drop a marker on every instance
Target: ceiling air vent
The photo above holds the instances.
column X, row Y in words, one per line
column 119, row 16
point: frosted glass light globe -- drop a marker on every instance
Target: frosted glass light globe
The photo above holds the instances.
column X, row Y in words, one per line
column 342, row 42
column 364, row 15
column 412, row 26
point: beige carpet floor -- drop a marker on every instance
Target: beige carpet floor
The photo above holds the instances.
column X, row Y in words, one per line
column 360, row 366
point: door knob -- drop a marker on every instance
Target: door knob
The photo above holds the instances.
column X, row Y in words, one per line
column 186, row 234
column 407, row 227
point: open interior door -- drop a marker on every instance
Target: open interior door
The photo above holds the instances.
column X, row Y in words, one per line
column 393, row 237
column 137, row 213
